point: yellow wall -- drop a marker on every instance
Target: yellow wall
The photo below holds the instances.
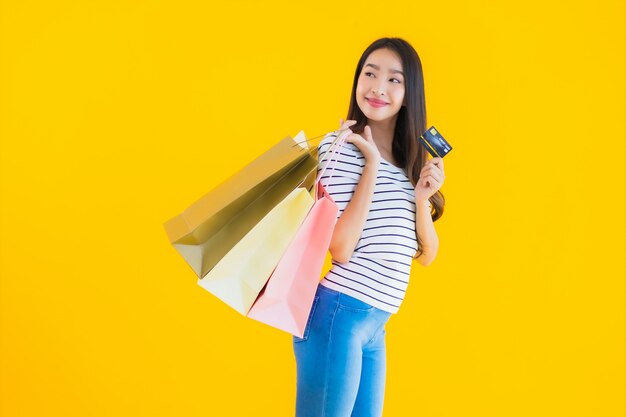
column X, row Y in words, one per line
column 116, row 115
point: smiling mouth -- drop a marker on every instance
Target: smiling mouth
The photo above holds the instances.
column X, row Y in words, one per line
column 376, row 103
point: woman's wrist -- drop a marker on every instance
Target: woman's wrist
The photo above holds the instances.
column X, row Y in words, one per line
column 420, row 203
column 372, row 163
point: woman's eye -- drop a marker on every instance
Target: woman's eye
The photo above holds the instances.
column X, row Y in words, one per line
column 367, row 74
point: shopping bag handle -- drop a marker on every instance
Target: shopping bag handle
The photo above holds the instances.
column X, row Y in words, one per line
column 337, row 143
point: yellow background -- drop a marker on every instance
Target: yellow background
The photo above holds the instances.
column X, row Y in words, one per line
column 117, row 115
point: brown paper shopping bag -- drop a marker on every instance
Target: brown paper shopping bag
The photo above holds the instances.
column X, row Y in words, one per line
column 206, row 231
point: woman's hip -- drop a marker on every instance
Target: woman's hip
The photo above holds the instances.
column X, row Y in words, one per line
column 342, row 316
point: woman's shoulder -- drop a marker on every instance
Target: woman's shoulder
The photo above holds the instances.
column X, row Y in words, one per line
column 347, row 149
column 327, row 139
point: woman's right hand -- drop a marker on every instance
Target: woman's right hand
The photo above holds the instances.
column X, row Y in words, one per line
column 366, row 144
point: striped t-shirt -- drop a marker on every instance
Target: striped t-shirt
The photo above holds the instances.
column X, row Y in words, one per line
column 378, row 271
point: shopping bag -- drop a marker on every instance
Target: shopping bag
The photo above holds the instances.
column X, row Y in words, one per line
column 238, row 278
column 286, row 300
column 211, row 226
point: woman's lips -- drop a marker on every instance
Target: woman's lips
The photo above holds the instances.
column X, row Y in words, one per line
column 375, row 103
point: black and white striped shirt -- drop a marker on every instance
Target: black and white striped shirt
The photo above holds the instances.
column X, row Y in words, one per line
column 378, row 271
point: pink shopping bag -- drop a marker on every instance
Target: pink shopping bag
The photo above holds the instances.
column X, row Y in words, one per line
column 286, row 300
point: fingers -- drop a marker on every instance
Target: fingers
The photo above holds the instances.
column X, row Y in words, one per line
column 432, row 182
column 352, row 137
column 368, row 133
column 346, row 124
column 435, row 163
column 432, row 174
column 432, row 164
column 357, row 140
column 432, row 170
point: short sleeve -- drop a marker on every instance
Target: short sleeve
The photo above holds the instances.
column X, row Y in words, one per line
column 341, row 181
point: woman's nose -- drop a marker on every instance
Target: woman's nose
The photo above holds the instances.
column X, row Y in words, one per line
column 378, row 89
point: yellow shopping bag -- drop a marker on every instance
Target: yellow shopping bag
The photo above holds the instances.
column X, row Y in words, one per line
column 239, row 277
column 209, row 228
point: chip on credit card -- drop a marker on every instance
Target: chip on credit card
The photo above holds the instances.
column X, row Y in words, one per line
column 436, row 145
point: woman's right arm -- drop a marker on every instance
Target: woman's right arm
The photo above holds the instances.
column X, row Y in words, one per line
column 349, row 226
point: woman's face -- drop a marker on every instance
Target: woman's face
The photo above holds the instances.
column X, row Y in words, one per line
column 380, row 87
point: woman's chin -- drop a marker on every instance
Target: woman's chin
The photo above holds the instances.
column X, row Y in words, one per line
column 377, row 117
column 371, row 115
column 374, row 115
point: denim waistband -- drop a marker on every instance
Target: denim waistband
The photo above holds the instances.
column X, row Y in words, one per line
column 348, row 302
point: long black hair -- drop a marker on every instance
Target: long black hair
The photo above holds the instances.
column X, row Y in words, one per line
column 411, row 120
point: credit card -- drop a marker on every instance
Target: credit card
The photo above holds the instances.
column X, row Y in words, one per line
column 436, row 145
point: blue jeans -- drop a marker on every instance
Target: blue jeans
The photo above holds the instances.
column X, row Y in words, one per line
column 341, row 358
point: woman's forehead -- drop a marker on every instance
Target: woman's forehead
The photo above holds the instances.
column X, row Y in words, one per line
column 384, row 59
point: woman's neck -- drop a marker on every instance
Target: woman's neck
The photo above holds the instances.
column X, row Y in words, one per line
column 382, row 133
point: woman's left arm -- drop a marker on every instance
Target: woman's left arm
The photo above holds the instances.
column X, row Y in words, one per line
column 425, row 228
column 431, row 179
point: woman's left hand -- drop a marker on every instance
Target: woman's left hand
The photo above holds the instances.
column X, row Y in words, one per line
column 431, row 179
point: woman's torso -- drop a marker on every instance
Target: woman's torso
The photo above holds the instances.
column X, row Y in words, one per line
column 379, row 269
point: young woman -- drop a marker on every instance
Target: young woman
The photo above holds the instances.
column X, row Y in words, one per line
column 388, row 195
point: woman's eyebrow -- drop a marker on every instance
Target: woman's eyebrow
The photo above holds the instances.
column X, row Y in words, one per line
column 376, row 67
